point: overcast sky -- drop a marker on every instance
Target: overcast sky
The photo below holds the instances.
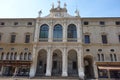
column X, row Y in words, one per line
column 87, row 8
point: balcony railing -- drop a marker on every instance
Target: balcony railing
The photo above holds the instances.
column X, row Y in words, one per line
column 58, row 39
column 72, row 39
column 43, row 39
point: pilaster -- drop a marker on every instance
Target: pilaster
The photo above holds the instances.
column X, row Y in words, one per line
column 64, row 63
column 80, row 63
column 49, row 62
column 34, row 63
column 50, row 35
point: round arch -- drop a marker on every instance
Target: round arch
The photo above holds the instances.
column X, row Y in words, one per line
column 41, row 62
column 57, row 62
column 88, row 66
column 72, row 63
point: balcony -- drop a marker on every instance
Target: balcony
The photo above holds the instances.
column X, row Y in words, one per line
column 72, row 39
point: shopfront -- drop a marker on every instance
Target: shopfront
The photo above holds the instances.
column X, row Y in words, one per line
column 15, row 68
column 109, row 70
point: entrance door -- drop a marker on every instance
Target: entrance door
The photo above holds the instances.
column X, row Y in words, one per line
column 57, row 63
column 41, row 64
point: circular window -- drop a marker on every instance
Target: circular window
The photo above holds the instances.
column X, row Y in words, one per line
column 112, row 50
column 99, row 50
column 87, row 50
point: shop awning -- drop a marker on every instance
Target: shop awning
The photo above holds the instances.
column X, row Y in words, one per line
column 110, row 68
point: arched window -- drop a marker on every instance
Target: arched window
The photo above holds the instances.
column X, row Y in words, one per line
column 72, row 33
column 98, row 57
column 21, row 56
column 57, row 33
column 44, row 29
column 7, row 56
column 2, row 56
column 111, row 57
column 25, row 56
column 115, row 57
column 15, row 56
column 29, row 56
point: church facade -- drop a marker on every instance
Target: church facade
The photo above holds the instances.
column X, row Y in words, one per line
column 60, row 45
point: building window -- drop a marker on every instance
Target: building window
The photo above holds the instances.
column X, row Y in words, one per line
column 98, row 57
column 102, row 23
column 29, row 23
column 119, row 38
column 2, row 23
column 72, row 33
column 2, row 56
column 111, row 57
column 29, row 56
column 11, row 56
column 57, row 33
column 44, row 29
column 115, row 58
column 102, row 56
column 15, row 23
column 7, row 56
column 87, row 39
column 15, row 56
column 21, row 56
column 100, row 50
column 104, row 39
column 25, row 56
column 0, row 37
column 1, row 49
column 112, row 50
column 86, row 23
column 27, row 38
column 87, row 50
column 13, row 38
column 117, row 22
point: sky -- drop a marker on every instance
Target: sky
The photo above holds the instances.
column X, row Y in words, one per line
column 87, row 8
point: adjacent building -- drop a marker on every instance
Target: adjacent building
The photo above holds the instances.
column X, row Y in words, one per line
column 60, row 45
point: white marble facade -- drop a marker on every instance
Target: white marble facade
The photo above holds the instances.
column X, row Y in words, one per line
column 60, row 53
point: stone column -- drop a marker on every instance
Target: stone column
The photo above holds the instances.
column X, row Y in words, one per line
column 34, row 63
column 50, row 35
column 95, row 70
column 80, row 63
column 49, row 62
column 1, row 72
column 64, row 33
column 64, row 63
column 15, row 72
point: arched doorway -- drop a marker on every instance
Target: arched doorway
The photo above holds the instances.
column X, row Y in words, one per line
column 72, row 63
column 57, row 63
column 41, row 63
column 88, row 67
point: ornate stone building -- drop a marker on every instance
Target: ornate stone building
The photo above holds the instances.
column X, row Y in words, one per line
column 60, row 45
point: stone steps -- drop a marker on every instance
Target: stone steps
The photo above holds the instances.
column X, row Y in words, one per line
column 39, row 78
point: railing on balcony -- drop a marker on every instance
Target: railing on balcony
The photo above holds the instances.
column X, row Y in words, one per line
column 43, row 39
column 57, row 39
column 72, row 39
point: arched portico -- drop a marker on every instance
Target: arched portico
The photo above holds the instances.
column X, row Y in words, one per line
column 88, row 66
column 41, row 63
column 57, row 63
column 72, row 63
